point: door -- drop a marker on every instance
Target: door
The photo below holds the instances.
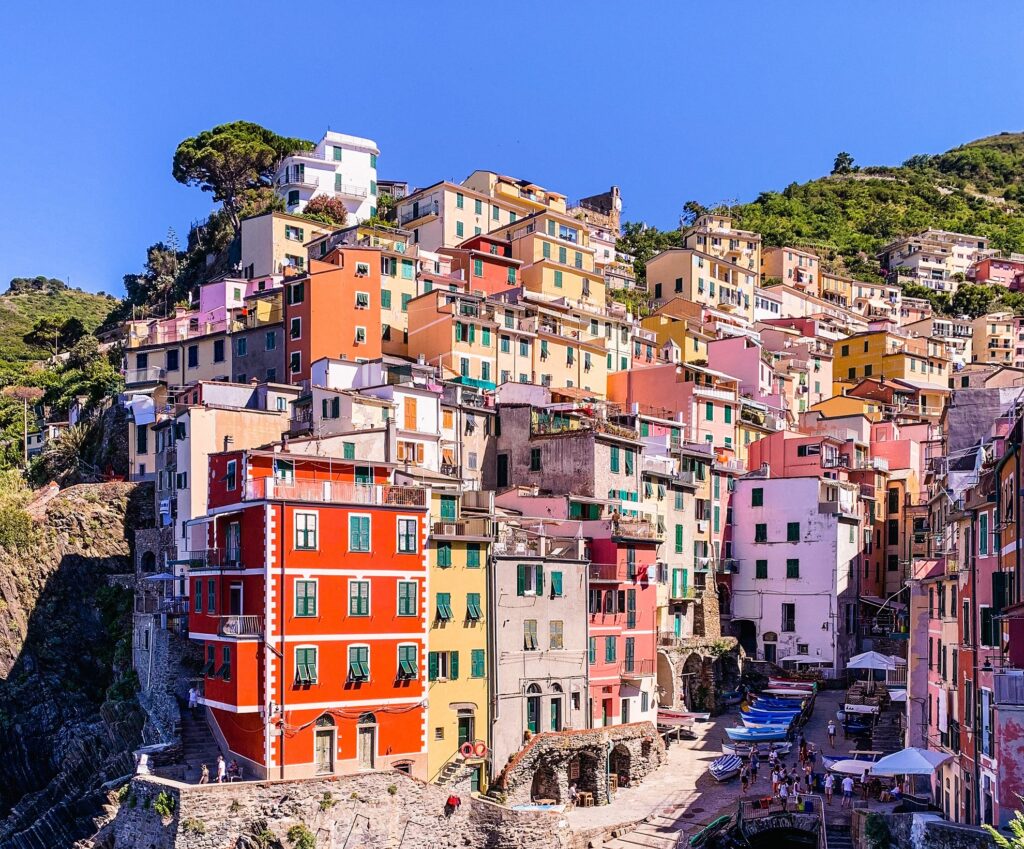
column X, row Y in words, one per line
column 366, row 746
column 624, row 712
column 466, row 730
column 677, row 625
column 606, row 711
column 533, row 714
column 769, row 652
column 323, row 747
column 556, row 714
column 502, row 471
column 410, row 414
column 235, row 600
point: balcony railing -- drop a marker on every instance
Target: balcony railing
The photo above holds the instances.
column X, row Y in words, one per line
column 682, row 592
column 333, row 492
column 730, row 465
column 240, row 626
column 636, row 529
column 468, row 527
column 421, row 212
column 349, row 190
column 636, row 668
column 144, row 375
column 512, row 541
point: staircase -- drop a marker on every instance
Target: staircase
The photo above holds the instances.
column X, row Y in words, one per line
column 886, row 735
column 838, row 836
column 198, row 745
column 449, row 772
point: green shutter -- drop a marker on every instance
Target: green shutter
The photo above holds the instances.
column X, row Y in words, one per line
column 539, row 572
column 679, row 539
column 453, row 665
column 521, row 580
column 477, row 663
column 432, row 666
column 556, row 583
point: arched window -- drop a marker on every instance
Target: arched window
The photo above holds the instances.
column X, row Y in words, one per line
column 556, row 688
column 367, row 719
column 325, row 720
column 533, row 688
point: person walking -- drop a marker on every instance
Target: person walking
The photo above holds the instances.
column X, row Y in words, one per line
column 222, row 769
column 743, row 779
column 784, row 794
column 775, row 782
column 755, row 763
column 204, row 774
column 832, row 733
column 193, row 698
column 847, row 792
column 830, row 781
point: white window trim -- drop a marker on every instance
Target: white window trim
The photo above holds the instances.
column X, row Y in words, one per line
column 369, row 519
column 398, row 534
column 366, row 295
column 398, row 599
column 295, row 529
column 295, row 597
column 298, row 364
column 369, row 597
column 292, row 323
column 369, row 660
column 398, row 659
column 360, row 330
column 295, row 663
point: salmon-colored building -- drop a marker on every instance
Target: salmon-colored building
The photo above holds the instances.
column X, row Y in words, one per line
column 309, row 605
column 486, row 264
column 333, row 311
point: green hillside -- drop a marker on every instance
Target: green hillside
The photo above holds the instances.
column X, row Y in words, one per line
column 28, row 301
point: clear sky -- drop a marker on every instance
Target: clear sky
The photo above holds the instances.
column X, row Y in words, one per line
column 671, row 100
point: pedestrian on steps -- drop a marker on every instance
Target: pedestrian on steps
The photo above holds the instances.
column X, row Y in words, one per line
column 832, row 733
column 222, row 769
column 204, row 774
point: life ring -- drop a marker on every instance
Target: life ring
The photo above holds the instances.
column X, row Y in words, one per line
column 480, row 749
column 466, row 749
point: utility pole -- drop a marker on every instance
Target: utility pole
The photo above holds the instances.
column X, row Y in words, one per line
column 24, row 434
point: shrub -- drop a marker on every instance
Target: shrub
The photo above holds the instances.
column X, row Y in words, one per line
column 164, row 804
column 301, row 837
column 327, row 801
column 193, row 826
column 393, row 789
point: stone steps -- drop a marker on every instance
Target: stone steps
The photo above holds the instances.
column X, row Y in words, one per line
column 660, row 832
column 839, row 837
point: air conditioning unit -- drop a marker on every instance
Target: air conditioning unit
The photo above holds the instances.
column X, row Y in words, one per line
column 702, row 527
column 448, row 528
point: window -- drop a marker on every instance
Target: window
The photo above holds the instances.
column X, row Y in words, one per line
column 444, row 555
column 443, row 665
column 231, row 475
column 305, row 531
column 530, row 579
column 359, row 663
column 592, row 650
column 892, row 532
column 558, row 279
column 407, row 598
column 983, row 534
column 556, row 584
column 358, row 533
column 793, row 568
column 760, row 532
column 199, row 595
column 757, row 497
column 761, row 569
column 305, row 598
column 225, row 666
column 792, row 532
column 295, row 362
column 473, row 555
column 444, row 607
column 476, row 667
column 473, row 610
column 615, row 459
column 358, row 598
column 709, row 411
column 407, row 662
column 305, row 665
column 172, row 355
column 555, row 640
column 460, row 200
column 460, row 230
column 609, row 649
column 530, row 635
column 788, row 617
column 534, row 459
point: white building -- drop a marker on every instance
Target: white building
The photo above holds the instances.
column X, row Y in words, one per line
column 341, row 166
column 796, row 540
column 934, row 257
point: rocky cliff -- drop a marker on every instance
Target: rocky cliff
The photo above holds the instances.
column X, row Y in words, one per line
column 68, row 714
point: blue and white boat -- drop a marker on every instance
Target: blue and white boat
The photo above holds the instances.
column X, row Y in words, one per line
column 770, row 717
column 765, row 722
column 725, row 767
column 763, row 733
column 781, row 747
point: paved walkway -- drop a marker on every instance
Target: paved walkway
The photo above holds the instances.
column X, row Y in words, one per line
column 683, row 797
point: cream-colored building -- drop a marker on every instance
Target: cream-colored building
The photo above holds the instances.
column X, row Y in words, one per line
column 792, row 267
column 714, row 235
column 275, row 241
column 701, row 278
column 446, row 214
column 993, row 339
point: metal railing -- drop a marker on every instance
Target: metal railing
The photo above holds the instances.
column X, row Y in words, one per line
column 636, row 529
column 333, row 492
column 466, row 527
column 636, row 668
column 144, row 375
column 349, row 190
column 240, row 626
column 421, row 212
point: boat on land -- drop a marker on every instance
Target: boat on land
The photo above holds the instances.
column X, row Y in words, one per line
column 725, row 767
column 744, row 750
column 764, row 733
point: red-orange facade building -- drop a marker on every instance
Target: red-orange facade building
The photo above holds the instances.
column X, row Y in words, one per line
column 310, row 607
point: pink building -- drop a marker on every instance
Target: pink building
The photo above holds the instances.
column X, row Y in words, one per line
column 794, row 455
column 746, row 360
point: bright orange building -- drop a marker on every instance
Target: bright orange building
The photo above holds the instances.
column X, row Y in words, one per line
column 310, row 607
column 333, row 310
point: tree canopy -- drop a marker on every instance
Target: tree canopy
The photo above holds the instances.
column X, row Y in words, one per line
column 232, row 160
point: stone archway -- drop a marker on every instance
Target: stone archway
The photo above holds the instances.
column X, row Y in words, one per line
column 667, row 688
column 746, row 632
column 619, row 763
column 724, row 600
column 148, row 561
column 588, row 770
column 545, row 783
column 690, row 676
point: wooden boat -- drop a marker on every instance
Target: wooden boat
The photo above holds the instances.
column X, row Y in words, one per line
column 764, row 733
column 743, row 750
column 763, row 722
column 786, row 683
column 725, row 767
column 709, row 831
column 779, row 716
column 786, row 693
column 680, row 717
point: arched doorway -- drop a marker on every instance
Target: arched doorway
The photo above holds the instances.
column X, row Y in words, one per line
column 771, row 653
column 533, row 708
column 148, row 561
column 619, row 763
column 366, row 741
column 746, row 632
column 545, row 784
column 324, row 744
column 724, row 600
column 666, row 681
column 583, row 770
column 691, row 681
column 556, row 707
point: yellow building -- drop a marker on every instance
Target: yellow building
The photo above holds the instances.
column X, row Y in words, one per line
column 457, row 711
column 679, row 321
column 837, row 289
column 792, row 267
column 992, row 339
column 715, row 236
column 557, row 258
column 563, row 355
column 276, row 240
column 839, row 406
column 702, row 278
column 522, row 194
column 457, row 332
column 882, row 353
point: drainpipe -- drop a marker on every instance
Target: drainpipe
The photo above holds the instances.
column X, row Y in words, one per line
column 608, row 772
column 974, row 669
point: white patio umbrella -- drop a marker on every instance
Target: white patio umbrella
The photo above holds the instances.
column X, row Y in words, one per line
column 850, row 767
column 911, row 761
column 871, row 660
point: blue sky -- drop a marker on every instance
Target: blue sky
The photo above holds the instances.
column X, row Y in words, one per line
column 669, row 100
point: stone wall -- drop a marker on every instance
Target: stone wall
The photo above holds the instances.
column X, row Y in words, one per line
column 921, row 831
column 542, row 767
column 379, row 809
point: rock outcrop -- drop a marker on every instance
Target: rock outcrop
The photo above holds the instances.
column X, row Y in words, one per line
column 68, row 714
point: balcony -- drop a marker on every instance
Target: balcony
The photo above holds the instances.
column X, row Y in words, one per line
column 640, row 529
column 702, row 564
column 709, row 392
column 511, row 541
column 211, row 559
column 724, row 464
column 474, row 527
column 630, row 670
column 240, row 627
column 349, row 190
column 136, row 376
column 838, row 508
column 683, row 593
column 729, row 565
column 416, row 213
column 333, row 492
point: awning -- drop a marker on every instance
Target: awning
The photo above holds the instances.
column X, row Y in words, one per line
column 142, row 408
column 804, row 658
column 875, row 601
column 874, row 660
column 160, row 576
column 911, row 761
column 898, row 695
